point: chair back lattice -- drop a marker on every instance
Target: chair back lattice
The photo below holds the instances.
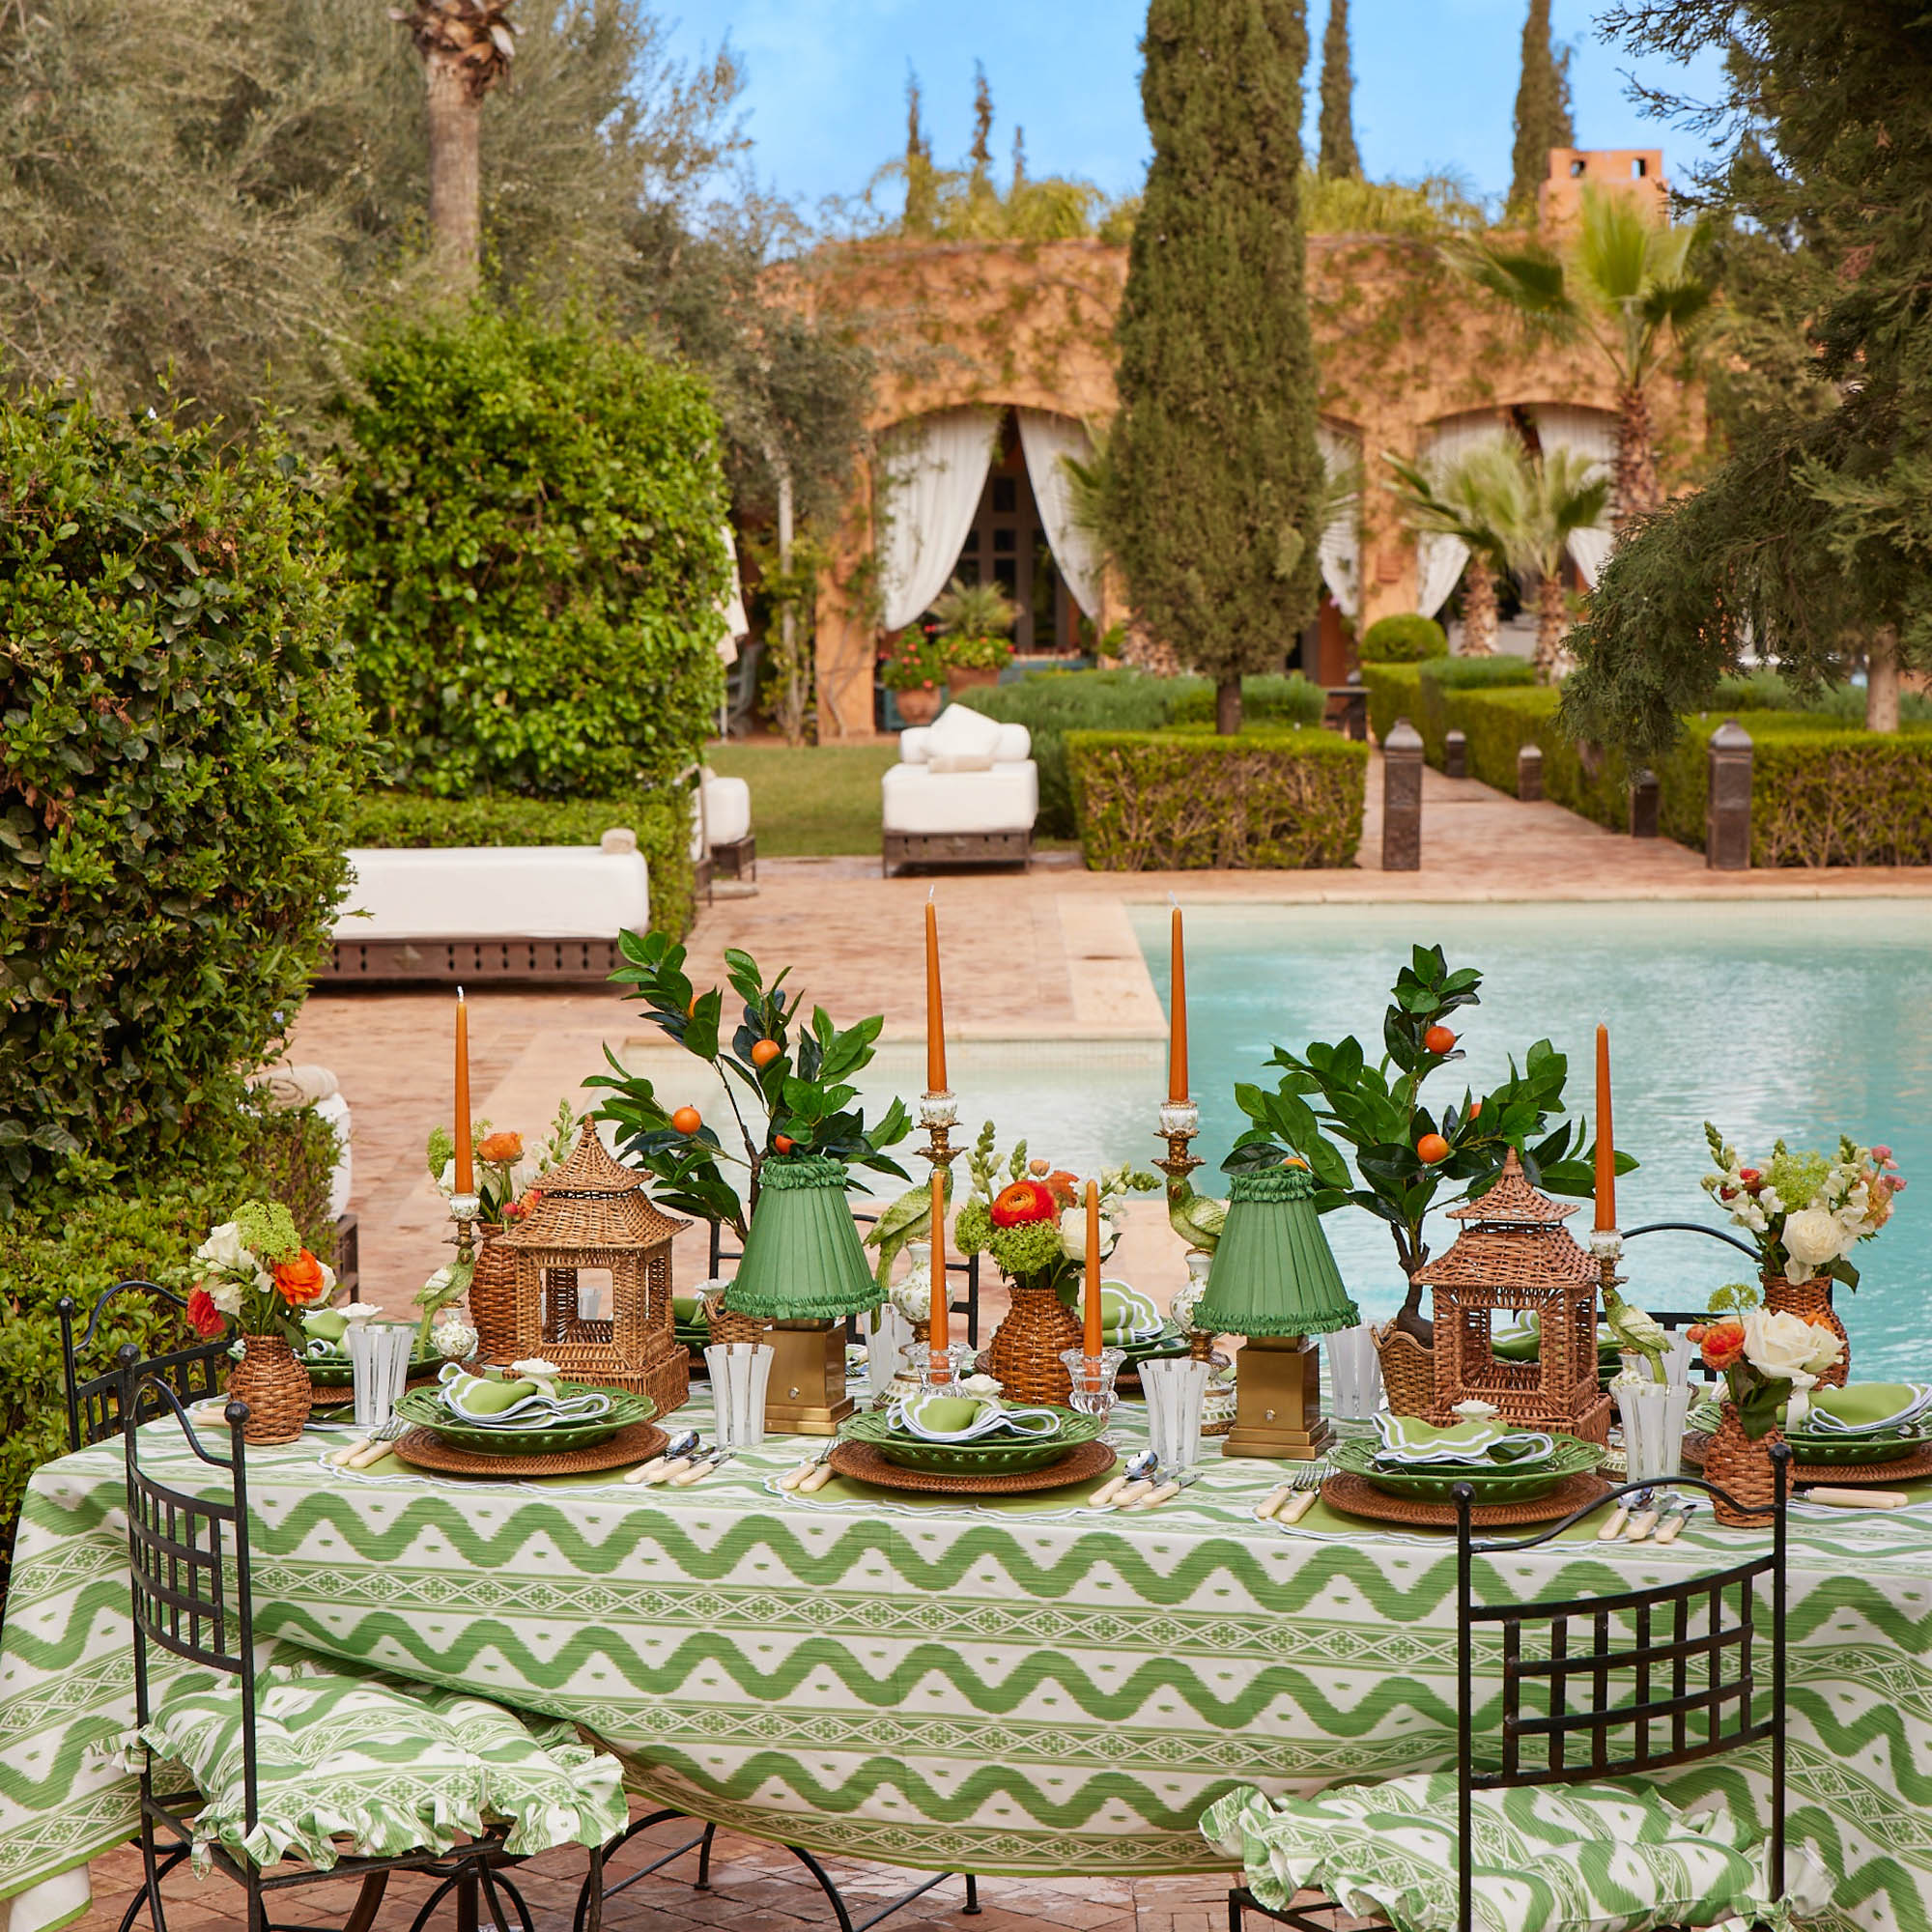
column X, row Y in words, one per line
column 94, row 1412
column 1608, row 1687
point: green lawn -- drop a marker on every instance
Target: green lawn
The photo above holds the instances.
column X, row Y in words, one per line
column 814, row 803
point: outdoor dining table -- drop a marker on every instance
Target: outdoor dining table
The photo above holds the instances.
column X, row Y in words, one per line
column 1019, row 1685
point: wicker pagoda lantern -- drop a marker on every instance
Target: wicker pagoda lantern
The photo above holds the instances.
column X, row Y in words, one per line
column 1514, row 1253
column 594, row 1214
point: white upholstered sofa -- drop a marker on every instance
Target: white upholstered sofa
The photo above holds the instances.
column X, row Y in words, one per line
column 965, row 790
column 722, row 844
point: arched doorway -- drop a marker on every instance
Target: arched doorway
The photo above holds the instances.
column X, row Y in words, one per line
column 1008, row 543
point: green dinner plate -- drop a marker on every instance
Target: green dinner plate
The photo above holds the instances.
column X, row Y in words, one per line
column 1138, row 1353
column 1003, row 1455
column 1851, row 1452
column 425, row 1405
column 1498, row 1485
column 338, row 1374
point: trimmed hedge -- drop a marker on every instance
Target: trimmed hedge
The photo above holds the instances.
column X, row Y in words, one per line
column 660, row 819
column 1051, row 703
column 1479, row 673
column 1405, row 639
column 1188, row 801
column 1822, row 794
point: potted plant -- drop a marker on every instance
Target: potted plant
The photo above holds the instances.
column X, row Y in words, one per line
column 913, row 669
column 1762, row 1357
column 1807, row 1214
column 975, row 625
column 1408, row 1156
column 253, row 1271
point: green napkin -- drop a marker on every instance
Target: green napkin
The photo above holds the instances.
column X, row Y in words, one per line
column 1408, row 1442
column 1126, row 1315
column 483, row 1395
column 933, row 1417
column 325, row 1325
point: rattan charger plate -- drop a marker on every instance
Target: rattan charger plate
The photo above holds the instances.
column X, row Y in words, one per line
column 1357, row 1496
column 638, row 1444
column 1911, row 1468
column 863, row 1464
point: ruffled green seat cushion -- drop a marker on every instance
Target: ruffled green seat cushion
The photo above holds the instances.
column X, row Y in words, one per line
column 1579, row 1858
column 371, row 1767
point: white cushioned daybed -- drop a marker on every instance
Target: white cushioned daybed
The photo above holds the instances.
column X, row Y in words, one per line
column 722, row 844
column 496, row 912
column 965, row 790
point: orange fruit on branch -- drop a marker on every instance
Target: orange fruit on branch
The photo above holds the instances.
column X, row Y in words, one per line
column 687, row 1119
column 1431, row 1149
column 1439, row 1039
column 765, row 1052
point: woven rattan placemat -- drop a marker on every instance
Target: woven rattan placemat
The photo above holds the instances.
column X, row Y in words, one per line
column 638, row 1444
column 1357, row 1496
column 863, row 1463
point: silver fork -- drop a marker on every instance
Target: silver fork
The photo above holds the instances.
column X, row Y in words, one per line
column 1305, row 1480
column 380, row 1440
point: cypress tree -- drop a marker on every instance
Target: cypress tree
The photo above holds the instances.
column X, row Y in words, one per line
column 1339, row 159
column 1218, row 479
column 1542, row 110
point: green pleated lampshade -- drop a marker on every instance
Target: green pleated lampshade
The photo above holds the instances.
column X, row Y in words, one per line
column 803, row 1261
column 1274, row 1273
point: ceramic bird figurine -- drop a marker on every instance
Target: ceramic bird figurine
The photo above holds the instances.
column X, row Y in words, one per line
column 1195, row 1218
column 908, row 1219
column 1635, row 1332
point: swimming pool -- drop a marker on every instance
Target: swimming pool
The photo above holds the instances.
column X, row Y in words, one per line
column 1803, row 1018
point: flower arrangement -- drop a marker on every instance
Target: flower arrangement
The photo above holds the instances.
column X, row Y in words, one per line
column 1764, row 1356
column 974, row 624
column 1806, row 1212
column 254, row 1271
column 1028, row 1215
column 914, row 662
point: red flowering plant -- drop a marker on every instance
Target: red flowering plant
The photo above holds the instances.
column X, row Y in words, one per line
column 914, row 660
column 1027, row 1215
column 255, row 1272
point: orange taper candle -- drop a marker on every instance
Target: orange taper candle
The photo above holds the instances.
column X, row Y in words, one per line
column 1177, row 1037
column 1090, row 1340
column 1607, row 1145
column 939, row 1325
column 466, row 1174
column 935, row 1016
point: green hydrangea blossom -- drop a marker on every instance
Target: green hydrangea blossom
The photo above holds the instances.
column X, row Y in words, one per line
column 268, row 1231
column 1796, row 1177
column 1029, row 1248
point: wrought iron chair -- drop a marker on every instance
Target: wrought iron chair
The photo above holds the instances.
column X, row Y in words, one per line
column 1562, row 1706
column 191, row 1576
column 701, row 1843
column 969, row 1268
column 93, row 1405
column 1679, row 1318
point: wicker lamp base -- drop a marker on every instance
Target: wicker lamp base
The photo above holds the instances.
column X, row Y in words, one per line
column 1027, row 1345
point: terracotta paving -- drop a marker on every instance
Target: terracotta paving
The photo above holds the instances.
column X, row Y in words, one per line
column 1050, row 955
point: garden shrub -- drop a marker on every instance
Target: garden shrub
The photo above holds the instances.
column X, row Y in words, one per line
column 660, row 819
column 1406, row 639
column 530, row 522
column 1189, row 800
column 150, row 1229
column 183, row 741
column 1478, row 673
column 1052, row 703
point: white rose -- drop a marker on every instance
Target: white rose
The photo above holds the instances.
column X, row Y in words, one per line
column 1779, row 1346
column 1812, row 1239
column 1073, row 1234
column 226, row 1294
column 223, row 1248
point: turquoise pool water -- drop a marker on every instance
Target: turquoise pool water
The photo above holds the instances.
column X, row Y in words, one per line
column 1805, row 1019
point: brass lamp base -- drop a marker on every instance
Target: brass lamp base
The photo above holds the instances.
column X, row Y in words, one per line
column 805, row 1395
column 1278, row 1400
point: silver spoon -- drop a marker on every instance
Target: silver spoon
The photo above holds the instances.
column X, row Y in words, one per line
column 1136, row 1469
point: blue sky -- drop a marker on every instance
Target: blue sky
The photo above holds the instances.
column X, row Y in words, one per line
column 825, row 94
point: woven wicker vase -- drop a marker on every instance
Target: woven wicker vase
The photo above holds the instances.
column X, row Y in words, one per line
column 275, row 1385
column 1734, row 1463
column 1811, row 1297
column 1409, row 1371
column 493, row 1297
column 1026, row 1347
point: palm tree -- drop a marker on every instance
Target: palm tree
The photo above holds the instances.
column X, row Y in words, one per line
column 1446, row 499
column 1533, row 503
column 1625, row 284
column 465, row 47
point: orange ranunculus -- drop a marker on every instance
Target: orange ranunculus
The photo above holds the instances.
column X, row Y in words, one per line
column 302, row 1280
column 501, row 1150
column 1720, row 1342
column 1066, row 1187
column 1023, row 1202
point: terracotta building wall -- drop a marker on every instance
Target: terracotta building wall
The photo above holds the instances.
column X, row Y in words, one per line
column 1402, row 342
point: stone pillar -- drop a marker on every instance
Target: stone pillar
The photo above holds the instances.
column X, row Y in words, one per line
column 1643, row 805
column 1401, row 798
column 1729, row 802
column 1529, row 773
column 1456, row 756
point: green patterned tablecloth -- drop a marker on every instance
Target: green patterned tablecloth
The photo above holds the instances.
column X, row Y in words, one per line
column 1014, row 1686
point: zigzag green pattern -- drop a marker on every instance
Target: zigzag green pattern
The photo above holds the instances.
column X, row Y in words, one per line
column 1029, row 1691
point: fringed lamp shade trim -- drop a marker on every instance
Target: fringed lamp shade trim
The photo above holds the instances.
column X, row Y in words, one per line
column 803, row 1261
column 1274, row 1273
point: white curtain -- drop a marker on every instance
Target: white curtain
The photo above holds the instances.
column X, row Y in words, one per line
column 731, row 618
column 1342, row 541
column 1439, row 559
column 1591, row 432
column 1047, row 439
column 932, row 474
